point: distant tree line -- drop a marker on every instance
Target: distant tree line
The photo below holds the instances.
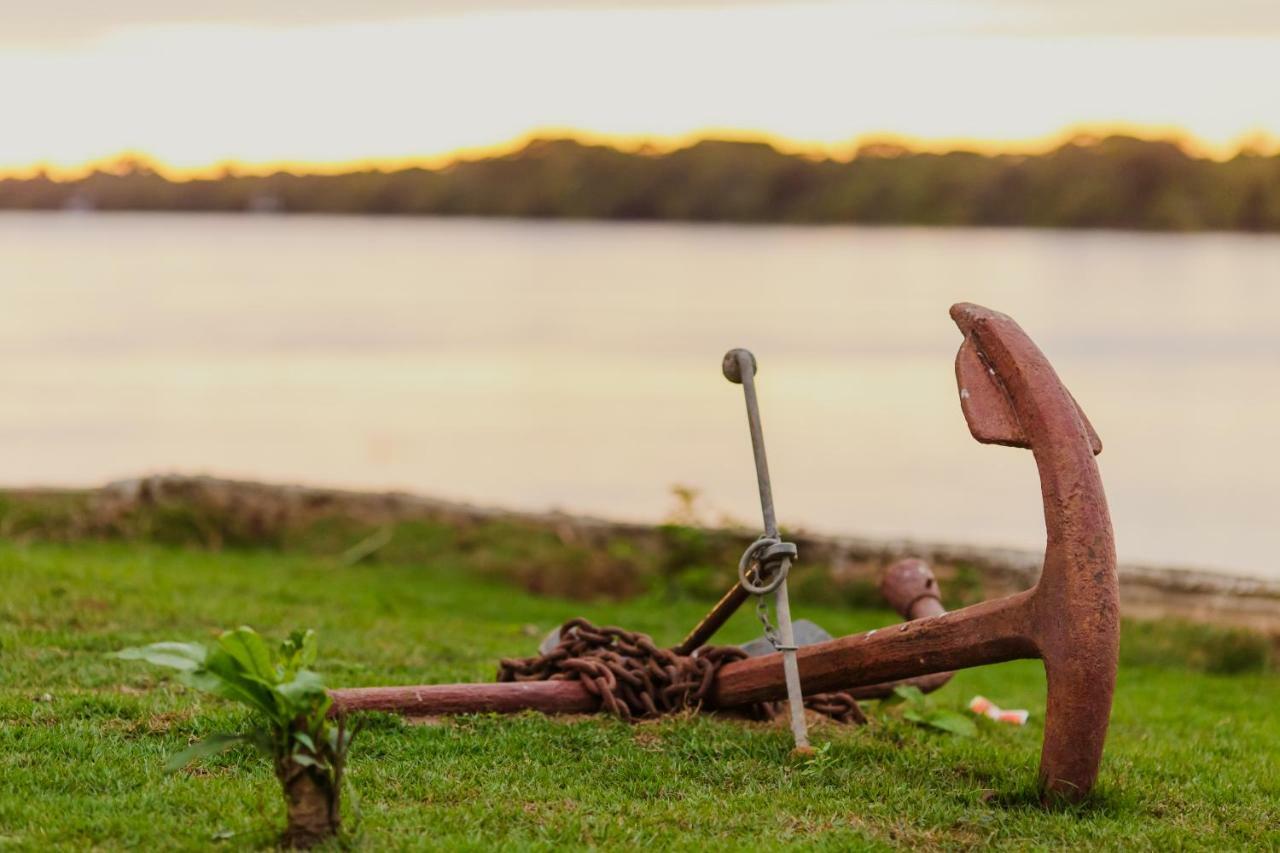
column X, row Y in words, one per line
column 1113, row 182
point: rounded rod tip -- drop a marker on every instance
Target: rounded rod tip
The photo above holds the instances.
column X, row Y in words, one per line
column 732, row 364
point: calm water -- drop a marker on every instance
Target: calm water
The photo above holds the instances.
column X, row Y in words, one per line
column 577, row 366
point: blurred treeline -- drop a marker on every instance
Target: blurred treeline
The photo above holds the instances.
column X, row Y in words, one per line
column 1113, row 182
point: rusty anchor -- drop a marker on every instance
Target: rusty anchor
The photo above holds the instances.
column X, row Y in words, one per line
column 1010, row 395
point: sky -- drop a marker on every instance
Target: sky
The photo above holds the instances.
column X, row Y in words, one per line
column 330, row 82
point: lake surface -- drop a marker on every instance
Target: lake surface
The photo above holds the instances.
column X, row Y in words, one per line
column 577, row 366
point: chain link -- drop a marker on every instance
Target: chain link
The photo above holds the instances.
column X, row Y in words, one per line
column 770, row 632
column 634, row 679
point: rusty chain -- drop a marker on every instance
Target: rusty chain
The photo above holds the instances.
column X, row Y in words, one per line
column 634, row 679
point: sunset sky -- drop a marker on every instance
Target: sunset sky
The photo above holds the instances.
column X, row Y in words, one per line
column 323, row 82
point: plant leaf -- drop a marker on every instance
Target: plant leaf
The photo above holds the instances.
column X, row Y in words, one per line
column 305, row 739
column 180, row 656
column 950, row 721
column 304, row 693
column 211, row 745
column 310, row 647
column 300, row 649
column 250, row 651
column 945, row 721
column 225, row 676
column 910, row 693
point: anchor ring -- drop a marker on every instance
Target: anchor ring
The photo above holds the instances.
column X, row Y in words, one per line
column 765, row 553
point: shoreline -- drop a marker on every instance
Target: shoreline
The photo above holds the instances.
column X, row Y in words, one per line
column 564, row 177
column 1146, row 591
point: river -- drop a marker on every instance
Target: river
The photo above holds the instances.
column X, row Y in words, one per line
column 577, row 366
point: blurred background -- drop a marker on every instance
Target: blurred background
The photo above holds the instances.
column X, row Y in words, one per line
column 494, row 251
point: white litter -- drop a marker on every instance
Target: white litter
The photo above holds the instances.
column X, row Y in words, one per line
column 984, row 706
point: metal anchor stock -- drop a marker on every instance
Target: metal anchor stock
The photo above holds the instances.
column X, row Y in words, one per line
column 766, row 562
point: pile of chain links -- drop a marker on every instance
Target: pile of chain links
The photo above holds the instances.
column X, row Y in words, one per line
column 634, row 679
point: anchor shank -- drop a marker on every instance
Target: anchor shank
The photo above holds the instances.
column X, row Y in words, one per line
column 430, row 700
column 990, row 632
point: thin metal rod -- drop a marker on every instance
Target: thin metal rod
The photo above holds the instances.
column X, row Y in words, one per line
column 737, row 596
column 713, row 621
column 791, row 670
column 746, row 367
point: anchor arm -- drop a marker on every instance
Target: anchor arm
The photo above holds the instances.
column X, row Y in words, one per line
column 1075, row 609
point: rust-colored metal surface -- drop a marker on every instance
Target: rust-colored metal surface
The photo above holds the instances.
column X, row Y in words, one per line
column 430, row 700
column 1010, row 395
column 911, row 589
column 1074, row 610
column 908, row 585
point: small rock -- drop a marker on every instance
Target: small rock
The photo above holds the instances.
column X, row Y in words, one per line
column 550, row 641
column 45, row 697
column 807, row 633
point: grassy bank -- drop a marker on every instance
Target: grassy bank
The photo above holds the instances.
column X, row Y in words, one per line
column 560, row 556
column 586, row 559
column 1190, row 762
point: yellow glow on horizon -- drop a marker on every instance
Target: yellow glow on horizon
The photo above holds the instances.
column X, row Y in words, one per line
column 815, row 78
column 844, row 151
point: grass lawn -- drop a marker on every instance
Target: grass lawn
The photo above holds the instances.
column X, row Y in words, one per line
column 1193, row 759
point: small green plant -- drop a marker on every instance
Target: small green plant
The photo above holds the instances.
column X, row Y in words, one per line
column 920, row 710
column 817, row 762
column 292, row 728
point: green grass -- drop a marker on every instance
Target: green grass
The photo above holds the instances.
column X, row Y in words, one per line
column 1192, row 760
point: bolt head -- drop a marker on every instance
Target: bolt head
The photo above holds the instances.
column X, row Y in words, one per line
column 906, row 581
column 731, row 366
